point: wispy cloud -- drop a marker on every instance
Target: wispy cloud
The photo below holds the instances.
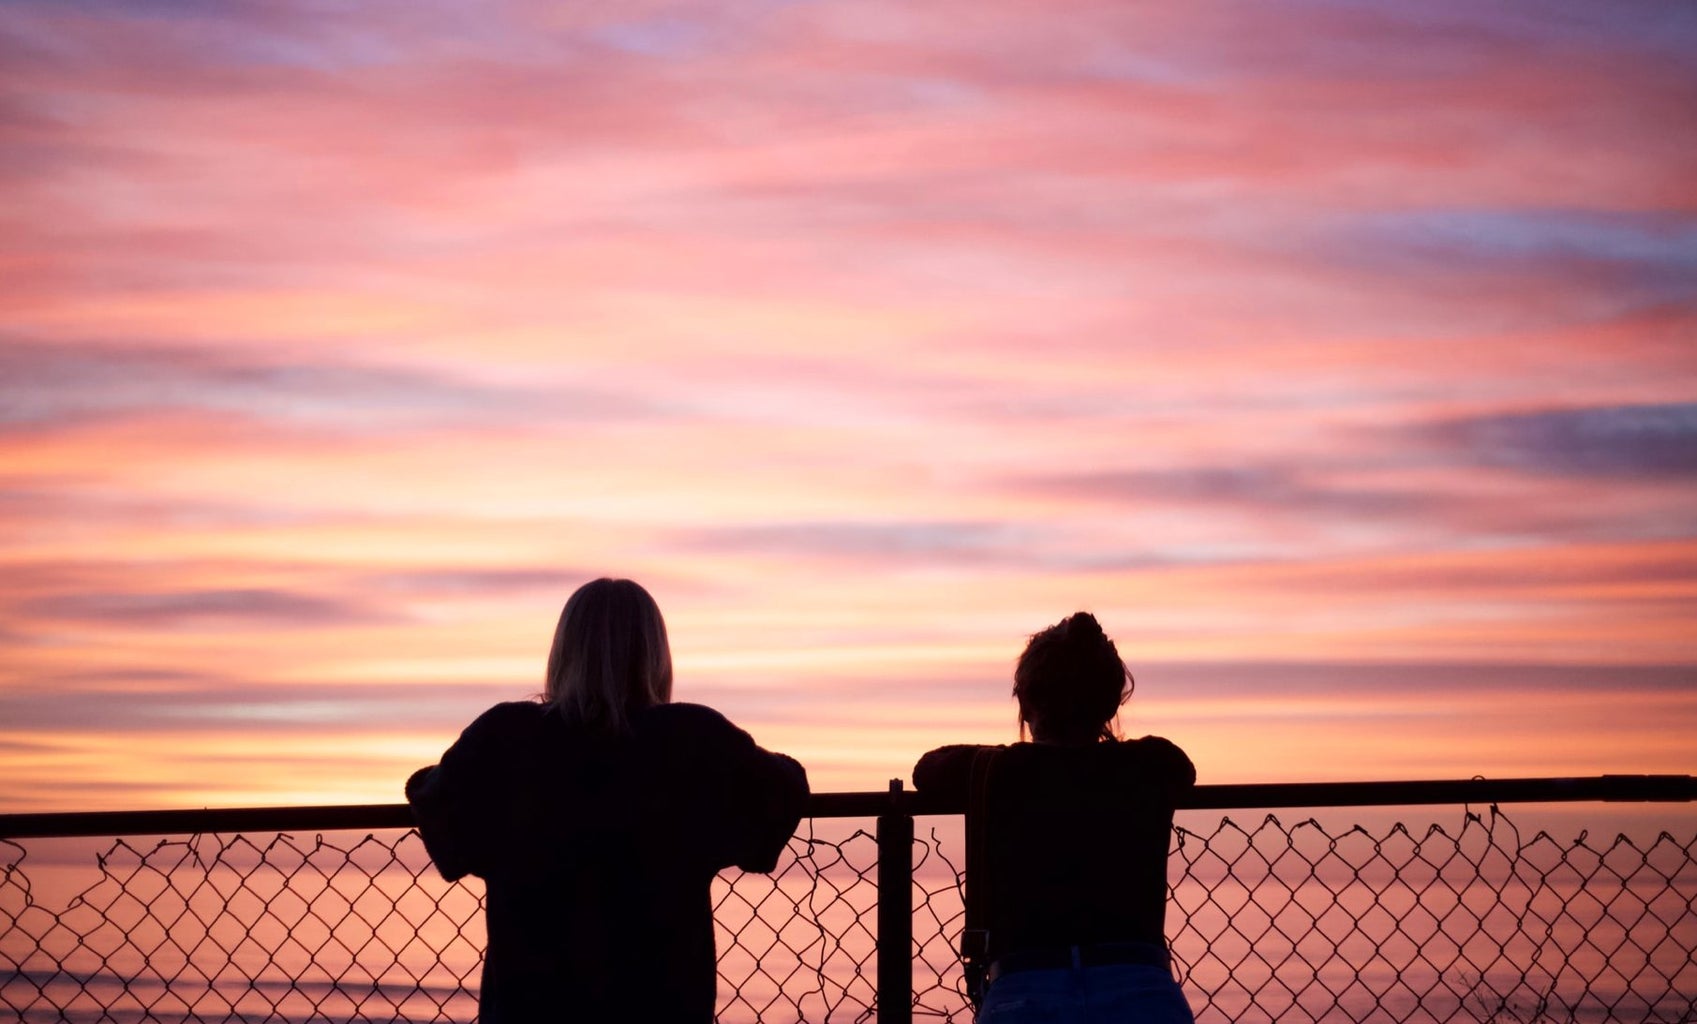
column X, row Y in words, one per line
column 58, row 384
column 139, row 703
column 1254, row 487
column 930, row 542
column 206, row 610
column 474, row 581
column 1643, row 442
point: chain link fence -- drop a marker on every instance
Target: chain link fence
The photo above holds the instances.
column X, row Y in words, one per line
column 1269, row 922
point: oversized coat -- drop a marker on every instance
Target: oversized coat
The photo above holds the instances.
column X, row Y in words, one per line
column 598, row 852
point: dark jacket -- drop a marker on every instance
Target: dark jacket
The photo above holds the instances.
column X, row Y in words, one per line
column 1078, row 837
column 599, row 851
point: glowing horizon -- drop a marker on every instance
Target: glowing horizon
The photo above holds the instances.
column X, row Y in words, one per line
column 1341, row 357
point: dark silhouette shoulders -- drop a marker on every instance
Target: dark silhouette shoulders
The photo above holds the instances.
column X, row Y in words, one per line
column 947, row 771
column 519, row 763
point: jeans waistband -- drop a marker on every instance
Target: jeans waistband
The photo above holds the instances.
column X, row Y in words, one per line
column 1100, row 954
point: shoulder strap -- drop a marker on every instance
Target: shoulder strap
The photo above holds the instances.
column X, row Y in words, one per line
column 975, row 938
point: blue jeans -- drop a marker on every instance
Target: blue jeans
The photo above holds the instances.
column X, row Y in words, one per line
column 1109, row 994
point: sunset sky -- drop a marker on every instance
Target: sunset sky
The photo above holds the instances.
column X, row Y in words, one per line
column 1341, row 356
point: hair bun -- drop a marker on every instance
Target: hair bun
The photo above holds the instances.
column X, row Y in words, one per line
column 1082, row 626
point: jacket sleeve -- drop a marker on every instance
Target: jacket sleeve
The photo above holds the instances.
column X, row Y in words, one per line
column 1172, row 766
column 946, row 771
column 756, row 797
column 454, row 802
column 770, row 799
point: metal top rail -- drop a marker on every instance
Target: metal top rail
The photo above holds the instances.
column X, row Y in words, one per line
column 329, row 818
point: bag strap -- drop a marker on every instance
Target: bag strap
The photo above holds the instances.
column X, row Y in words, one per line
column 975, row 934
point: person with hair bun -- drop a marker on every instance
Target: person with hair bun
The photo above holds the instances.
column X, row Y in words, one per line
column 1068, row 839
column 597, row 817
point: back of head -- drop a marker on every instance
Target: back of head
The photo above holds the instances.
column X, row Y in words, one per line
column 1071, row 682
column 610, row 657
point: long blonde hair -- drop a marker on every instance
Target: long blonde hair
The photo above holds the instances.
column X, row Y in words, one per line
column 610, row 658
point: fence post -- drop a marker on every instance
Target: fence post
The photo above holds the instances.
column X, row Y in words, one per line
column 895, row 910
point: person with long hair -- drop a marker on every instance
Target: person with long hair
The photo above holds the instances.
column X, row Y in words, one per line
column 1076, row 826
column 597, row 817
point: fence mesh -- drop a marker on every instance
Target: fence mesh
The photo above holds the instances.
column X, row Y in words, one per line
column 1269, row 922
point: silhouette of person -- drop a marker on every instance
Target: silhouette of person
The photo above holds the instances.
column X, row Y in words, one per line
column 598, row 817
column 1079, row 822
